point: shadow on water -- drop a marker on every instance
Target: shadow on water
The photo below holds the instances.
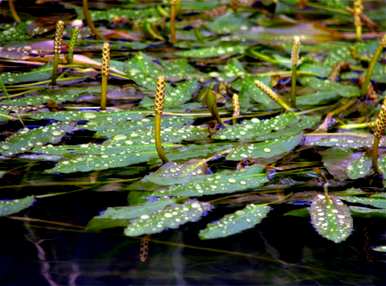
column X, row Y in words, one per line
column 280, row 251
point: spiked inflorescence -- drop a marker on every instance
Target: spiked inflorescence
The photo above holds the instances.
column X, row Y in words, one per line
column 273, row 95
column 57, row 49
column 105, row 74
column 71, row 47
column 158, row 109
column 357, row 12
column 294, row 65
column 373, row 62
column 379, row 129
column 236, row 107
column 144, row 248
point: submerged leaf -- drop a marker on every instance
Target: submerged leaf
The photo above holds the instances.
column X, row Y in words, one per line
column 14, row 206
column 236, row 222
column 171, row 216
column 121, row 216
column 331, row 218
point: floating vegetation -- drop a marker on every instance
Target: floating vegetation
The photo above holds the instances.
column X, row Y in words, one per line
column 210, row 107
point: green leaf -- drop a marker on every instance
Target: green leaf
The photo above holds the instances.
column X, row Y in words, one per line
column 212, row 52
column 266, row 149
column 143, row 70
column 368, row 212
column 38, row 74
column 173, row 173
column 331, row 218
column 220, row 183
column 340, row 140
column 360, row 167
column 374, row 202
column 228, row 23
column 9, row 207
column 121, row 216
column 259, row 130
column 236, row 222
column 25, row 139
column 14, row 33
column 171, row 216
column 58, row 96
column 96, row 120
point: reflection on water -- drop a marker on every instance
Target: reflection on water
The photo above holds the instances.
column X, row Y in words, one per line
column 281, row 251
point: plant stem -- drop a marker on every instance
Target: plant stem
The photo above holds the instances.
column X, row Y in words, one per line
column 90, row 23
column 173, row 14
column 294, row 65
column 357, row 12
column 211, row 102
column 105, row 74
column 71, row 47
column 236, row 108
column 12, row 8
column 57, row 50
column 373, row 62
column 158, row 109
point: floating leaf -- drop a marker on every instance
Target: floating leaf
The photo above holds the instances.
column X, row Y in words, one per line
column 58, row 96
column 266, row 149
column 228, row 23
column 259, row 130
column 341, row 140
column 171, row 216
column 211, row 52
column 143, row 70
column 14, row 33
column 9, row 207
column 368, row 212
column 25, row 139
column 220, row 183
column 38, row 74
column 360, row 167
column 331, row 218
column 374, row 202
column 236, row 222
column 121, row 216
column 173, row 173
column 96, row 119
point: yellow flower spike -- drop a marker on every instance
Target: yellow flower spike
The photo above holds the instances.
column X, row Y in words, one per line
column 105, row 74
column 294, row 66
column 90, row 22
column 12, row 8
column 236, row 108
column 379, row 129
column 357, row 12
column 57, row 50
column 273, row 95
column 373, row 62
column 158, row 110
column 71, row 46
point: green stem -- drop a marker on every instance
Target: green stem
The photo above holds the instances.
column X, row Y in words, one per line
column 90, row 23
column 157, row 138
column 374, row 154
column 12, row 8
column 71, row 47
column 373, row 62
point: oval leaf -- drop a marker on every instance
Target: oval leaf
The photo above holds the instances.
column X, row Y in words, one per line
column 9, row 207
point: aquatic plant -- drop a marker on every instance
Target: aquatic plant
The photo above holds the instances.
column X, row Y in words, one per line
column 90, row 22
column 158, row 110
column 57, row 50
column 105, row 72
column 294, row 66
column 72, row 44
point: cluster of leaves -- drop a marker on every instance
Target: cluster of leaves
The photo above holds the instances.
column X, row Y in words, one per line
column 237, row 161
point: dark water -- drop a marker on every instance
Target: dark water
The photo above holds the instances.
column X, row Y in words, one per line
column 280, row 251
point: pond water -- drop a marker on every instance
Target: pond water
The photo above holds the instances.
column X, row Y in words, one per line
column 280, row 251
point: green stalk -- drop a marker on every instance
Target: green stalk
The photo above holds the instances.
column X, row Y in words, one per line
column 294, row 66
column 90, row 22
column 105, row 74
column 210, row 98
column 57, row 50
column 158, row 110
column 373, row 62
column 379, row 128
column 71, row 47
column 12, row 8
column 173, row 14
column 357, row 12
